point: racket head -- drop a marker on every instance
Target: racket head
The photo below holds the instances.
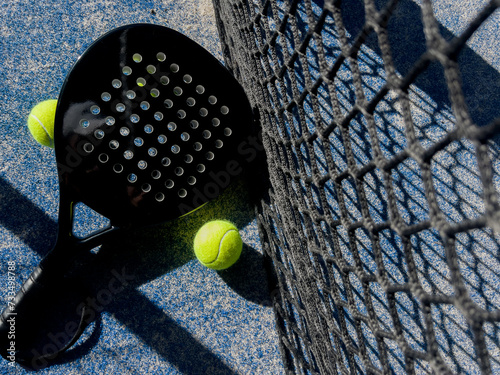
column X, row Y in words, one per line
column 149, row 126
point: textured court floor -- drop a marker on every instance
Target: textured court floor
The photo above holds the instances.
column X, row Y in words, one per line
column 175, row 316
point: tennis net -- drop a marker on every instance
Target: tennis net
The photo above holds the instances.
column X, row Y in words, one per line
column 381, row 221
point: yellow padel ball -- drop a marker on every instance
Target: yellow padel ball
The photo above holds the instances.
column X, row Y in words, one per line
column 218, row 244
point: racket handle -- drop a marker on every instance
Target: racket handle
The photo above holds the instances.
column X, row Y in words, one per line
column 47, row 315
column 50, row 312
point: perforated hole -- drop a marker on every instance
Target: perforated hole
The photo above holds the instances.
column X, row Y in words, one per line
column 142, row 164
column 190, row 102
column 152, row 152
column 151, row 69
column 206, row 134
column 110, row 120
column 164, row 80
column 169, row 184
column 200, row 89
column 116, row 83
column 218, row 143
column 188, row 158
column 162, row 139
column 156, row 174
column 158, row 116
column 227, row 132
column 175, row 149
column 160, row 56
column 124, row 131
column 146, row 188
column 103, row 158
column 194, row 124
column 84, row 123
column 177, row 91
column 197, row 146
column 200, row 168
column 212, row 99
column 145, row 106
column 114, row 144
column 88, row 147
column 138, row 141
column 99, row 134
column 182, row 193
column 155, row 93
column 203, row 112
column 174, row 68
column 224, row 110
column 191, row 180
column 185, row 136
column 179, row 171
column 95, row 110
column 120, row 107
column 166, row 162
column 127, row 70
column 215, row 122
column 137, row 58
column 172, row 126
column 130, row 94
column 187, row 78
column 141, row 82
column 134, row 118
column 106, row 96
column 159, row 197
column 132, row 177
column 210, row 155
column 128, row 154
column 118, row 168
column 181, row 114
column 148, row 129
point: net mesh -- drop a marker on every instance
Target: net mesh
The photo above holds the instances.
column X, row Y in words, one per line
column 380, row 222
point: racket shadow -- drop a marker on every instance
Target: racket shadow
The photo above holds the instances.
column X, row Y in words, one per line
column 117, row 269
column 26, row 220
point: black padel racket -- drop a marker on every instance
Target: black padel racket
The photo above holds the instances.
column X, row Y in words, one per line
column 149, row 126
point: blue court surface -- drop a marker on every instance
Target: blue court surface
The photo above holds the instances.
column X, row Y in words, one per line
column 174, row 316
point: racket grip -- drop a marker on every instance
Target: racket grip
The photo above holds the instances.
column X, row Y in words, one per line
column 46, row 316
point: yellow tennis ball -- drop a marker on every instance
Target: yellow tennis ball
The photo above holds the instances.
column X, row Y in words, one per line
column 218, row 244
column 41, row 122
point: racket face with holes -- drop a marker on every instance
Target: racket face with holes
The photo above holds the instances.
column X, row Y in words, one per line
column 149, row 126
